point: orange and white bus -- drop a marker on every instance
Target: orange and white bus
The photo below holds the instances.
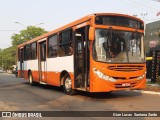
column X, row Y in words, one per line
column 100, row 52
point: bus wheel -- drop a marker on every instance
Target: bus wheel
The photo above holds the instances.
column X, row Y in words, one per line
column 31, row 82
column 67, row 85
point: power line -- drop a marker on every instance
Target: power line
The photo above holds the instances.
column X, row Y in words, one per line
column 8, row 30
column 138, row 5
column 155, row 5
column 134, row 6
column 157, row 0
column 151, row 8
column 144, row 5
column 124, row 9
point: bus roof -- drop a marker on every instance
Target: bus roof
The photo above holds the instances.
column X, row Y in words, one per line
column 79, row 21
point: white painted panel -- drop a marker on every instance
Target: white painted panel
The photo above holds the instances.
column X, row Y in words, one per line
column 43, row 66
column 59, row 64
column 18, row 64
column 31, row 64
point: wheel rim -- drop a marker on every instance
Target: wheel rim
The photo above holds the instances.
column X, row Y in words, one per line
column 68, row 84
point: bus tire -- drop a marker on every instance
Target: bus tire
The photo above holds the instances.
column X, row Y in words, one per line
column 31, row 82
column 67, row 85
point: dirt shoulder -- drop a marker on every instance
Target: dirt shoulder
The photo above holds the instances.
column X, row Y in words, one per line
column 5, row 107
column 152, row 87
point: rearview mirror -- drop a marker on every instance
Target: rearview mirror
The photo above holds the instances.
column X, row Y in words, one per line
column 91, row 33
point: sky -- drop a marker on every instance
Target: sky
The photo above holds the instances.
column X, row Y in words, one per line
column 56, row 13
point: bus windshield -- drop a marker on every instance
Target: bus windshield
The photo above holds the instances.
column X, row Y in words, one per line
column 118, row 46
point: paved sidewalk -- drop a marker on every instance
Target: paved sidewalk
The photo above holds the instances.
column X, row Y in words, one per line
column 151, row 88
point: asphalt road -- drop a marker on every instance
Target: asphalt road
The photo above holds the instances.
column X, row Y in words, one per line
column 16, row 94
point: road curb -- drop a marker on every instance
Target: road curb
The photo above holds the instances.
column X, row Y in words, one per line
column 8, row 74
column 148, row 92
column 151, row 92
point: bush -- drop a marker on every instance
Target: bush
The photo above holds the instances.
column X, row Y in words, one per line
column 158, row 80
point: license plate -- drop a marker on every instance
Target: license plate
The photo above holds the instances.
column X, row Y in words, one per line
column 126, row 84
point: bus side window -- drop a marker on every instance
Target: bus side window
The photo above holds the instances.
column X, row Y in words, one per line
column 19, row 55
column 43, row 52
column 52, row 46
column 27, row 52
column 33, row 51
column 60, row 48
column 65, row 43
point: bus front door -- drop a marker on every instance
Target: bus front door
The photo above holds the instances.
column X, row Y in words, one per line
column 81, row 58
column 42, row 62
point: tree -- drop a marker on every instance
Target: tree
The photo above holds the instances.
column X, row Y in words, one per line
column 29, row 33
column 8, row 55
column 1, row 58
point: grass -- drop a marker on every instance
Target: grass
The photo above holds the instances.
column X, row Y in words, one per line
column 149, row 82
column 152, row 88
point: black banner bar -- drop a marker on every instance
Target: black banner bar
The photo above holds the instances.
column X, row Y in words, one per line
column 79, row 114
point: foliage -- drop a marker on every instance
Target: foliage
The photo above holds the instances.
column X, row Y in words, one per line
column 158, row 80
column 149, row 82
column 8, row 58
column 8, row 55
column 27, row 34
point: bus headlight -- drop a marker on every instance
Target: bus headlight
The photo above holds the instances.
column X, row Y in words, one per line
column 140, row 77
column 103, row 76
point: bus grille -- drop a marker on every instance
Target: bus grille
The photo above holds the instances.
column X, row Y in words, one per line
column 125, row 68
column 131, row 85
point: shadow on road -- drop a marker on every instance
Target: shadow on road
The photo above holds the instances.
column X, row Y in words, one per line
column 111, row 95
column 47, row 87
column 101, row 95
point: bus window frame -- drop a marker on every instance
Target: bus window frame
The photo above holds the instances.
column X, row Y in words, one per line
column 56, row 45
column 138, row 24
column 26, row 58
column 31, row 51
column 61, row 51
